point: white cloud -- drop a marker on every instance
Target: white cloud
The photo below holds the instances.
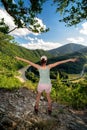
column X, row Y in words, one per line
column 9, row 21
column 84, row 29
column 21, row 31
column 40, row 44
column 75, row 40
column 33, row 43
column 29, row 38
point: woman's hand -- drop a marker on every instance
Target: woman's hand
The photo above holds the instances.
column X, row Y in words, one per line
column 18, row 58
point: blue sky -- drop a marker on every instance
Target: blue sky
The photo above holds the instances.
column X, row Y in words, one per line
column 58, row 35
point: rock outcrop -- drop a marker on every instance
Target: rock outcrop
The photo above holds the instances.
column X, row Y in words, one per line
column 16, row 113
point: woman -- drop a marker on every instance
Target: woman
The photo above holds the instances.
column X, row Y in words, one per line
column 45, row 82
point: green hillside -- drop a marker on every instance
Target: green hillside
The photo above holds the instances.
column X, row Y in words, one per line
column 8, row 50
column 9, row 65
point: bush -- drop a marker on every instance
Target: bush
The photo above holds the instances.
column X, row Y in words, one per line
column 74, row 95
column 31, row 76
column 9, row 82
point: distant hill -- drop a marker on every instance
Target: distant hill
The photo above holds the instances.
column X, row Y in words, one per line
column 66, row 49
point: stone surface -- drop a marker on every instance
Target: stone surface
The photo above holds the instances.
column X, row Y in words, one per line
column 16, row 113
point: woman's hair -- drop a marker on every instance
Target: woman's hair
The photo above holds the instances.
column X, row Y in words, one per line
column 43, row 61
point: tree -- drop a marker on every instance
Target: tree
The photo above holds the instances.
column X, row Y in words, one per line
column 5, row 38
column 25, row 16
column 73, row 12
column 57, row 84
column 3, row 27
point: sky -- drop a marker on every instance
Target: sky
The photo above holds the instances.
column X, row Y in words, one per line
column 58, row 35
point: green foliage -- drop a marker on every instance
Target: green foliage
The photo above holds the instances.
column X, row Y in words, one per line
column 31, row 76
column 25, row 15
column 9, row 82
column 73, row 11
column 4, row 39
column 3, row 27
column 30, row 85
column 73, row 94
column 57, row 84
column 78, row 95
column 85, row 76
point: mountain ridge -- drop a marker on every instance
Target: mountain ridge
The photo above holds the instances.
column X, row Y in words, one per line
column 66, row 49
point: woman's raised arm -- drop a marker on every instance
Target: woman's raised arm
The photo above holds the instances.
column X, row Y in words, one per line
column 29, row 62
column 62, row 62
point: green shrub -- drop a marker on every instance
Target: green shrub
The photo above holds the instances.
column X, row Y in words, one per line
column 74, row 95
column 9, row 82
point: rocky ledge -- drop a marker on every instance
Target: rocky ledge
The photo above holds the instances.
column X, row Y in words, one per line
column 16, row 113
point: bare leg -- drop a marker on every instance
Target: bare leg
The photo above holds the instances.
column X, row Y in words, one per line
column 49, row 101
column 38, row 99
